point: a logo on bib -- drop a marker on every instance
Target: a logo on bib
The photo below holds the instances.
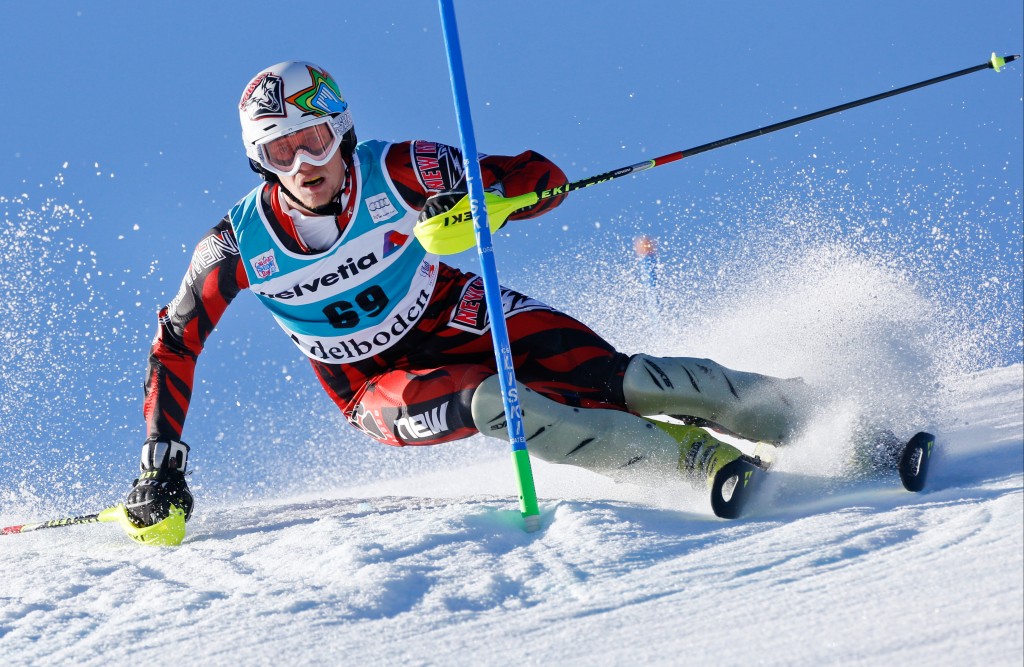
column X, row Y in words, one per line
column 393, row 242
column 265, row 265
column 427, row 269
column 380, row 207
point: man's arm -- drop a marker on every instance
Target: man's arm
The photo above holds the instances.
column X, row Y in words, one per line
column 527, row 172
column 420, row 169
column 214, row 277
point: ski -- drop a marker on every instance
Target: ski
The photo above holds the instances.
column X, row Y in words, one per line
column 734, row 484
column 915, row 460
column 737, row 482
column 886, row 455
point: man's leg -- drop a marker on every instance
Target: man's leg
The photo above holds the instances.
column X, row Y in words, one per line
column 755, row 407
column 417, row 407
column 610, row 442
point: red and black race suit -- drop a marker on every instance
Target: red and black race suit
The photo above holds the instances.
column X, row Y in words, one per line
column 419, row 390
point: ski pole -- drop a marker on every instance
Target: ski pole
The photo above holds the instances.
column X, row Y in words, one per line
column 435, row 233
column 99, row 517
column 489, row 271
column 169, row 532
column 995, row 63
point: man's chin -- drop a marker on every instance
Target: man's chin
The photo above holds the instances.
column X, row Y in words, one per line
column 315, row 206
column 312, row 204
column 307, row 201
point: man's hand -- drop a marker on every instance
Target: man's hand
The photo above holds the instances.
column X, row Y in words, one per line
column 445, row 225
column 440, row 203
column 161, row 484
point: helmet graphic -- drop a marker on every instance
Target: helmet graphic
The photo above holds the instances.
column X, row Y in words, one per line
column 293, row 112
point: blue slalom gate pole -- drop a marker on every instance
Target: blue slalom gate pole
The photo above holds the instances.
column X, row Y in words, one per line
column 489, row 271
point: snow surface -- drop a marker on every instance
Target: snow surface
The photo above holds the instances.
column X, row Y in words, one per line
column 436, row 570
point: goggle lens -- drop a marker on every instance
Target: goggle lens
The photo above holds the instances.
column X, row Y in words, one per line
column 314, row 144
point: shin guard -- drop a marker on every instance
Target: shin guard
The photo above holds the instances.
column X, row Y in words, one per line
column 613, row 443
column 754, row 407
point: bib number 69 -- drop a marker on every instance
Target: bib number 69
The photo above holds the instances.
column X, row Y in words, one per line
column 370, row 302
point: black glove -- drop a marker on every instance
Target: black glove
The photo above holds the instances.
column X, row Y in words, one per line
column 442, row 202
column 161, row 484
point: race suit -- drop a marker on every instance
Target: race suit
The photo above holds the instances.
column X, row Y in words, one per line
column 398, row 339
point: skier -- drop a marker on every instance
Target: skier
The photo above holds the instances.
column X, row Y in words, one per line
column 399, row 340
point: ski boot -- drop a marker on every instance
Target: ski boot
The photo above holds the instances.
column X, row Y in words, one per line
column 731, row 476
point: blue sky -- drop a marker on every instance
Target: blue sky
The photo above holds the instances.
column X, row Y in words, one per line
column 125, row 114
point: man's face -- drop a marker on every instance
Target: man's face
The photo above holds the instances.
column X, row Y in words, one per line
column 316, row 186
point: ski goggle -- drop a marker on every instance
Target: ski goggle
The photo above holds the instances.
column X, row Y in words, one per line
column 313, row 144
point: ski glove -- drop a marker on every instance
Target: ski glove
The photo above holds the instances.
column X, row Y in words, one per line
column 446, row 200
column 445, row 225
column 161, row 484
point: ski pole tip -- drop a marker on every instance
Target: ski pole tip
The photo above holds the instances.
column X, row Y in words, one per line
column 531, row 523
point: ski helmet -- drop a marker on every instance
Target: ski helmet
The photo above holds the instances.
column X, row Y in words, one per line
column 293, row 112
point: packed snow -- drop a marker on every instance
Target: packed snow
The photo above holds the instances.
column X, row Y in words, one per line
column 437, row 570
column 310, row 544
